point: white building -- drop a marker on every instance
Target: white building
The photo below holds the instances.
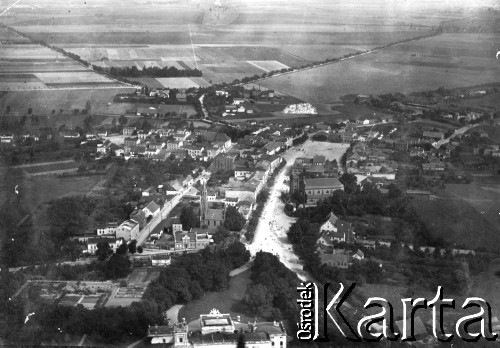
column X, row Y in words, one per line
column 114, row 243
column 128, row 230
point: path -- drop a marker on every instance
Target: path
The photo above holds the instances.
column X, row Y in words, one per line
column 241, row 269
column 173, row 313
column 167, row 208
column 9, row 7
column 459, row 131
column 82, row 340
column 132, row 345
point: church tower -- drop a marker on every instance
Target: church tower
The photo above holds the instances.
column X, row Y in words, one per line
column 203, row 204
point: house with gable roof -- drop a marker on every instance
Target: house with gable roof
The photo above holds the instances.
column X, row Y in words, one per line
column 152, row 209
column 330, row 223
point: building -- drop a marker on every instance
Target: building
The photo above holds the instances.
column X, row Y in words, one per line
column 7, row 138
column 194, row 151
column 330, row 223
column 128, row 230
column 173, row 336
column 176, row 226
column 185, row 241
column 320, row 188
column 220, row 331
column 110, row 229
column 214, row 218
column 339, row 259
column 223, row 161
column 70, row 135
column 92, row 243
column 433, row 135
column 196, row 239
column 128, row 131
column 231, row 201
column 161, row 260
column 152, row 209
column 216, row 322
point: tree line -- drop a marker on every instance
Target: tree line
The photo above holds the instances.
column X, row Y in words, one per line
column 154, row 71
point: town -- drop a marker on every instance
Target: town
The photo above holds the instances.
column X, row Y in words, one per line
column 172, row 184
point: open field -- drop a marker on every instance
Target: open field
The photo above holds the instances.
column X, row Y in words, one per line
column 182, row 82
column 448, row 60
column 268, row 65
column 489, row 103
column 41, row 189
column 54, row 168
column 69, row 77
column 464, row 211
column 44, row 101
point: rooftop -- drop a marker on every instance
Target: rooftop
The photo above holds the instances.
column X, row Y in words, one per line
column 323, row 183
column 215, row 214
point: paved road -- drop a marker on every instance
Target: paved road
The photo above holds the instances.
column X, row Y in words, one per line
column 459, row 131
column 148, row 229
column 165, row 211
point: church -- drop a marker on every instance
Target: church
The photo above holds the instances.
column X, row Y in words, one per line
column 212, row 218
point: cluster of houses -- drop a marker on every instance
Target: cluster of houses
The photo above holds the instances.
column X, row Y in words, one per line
column 162, row 144
column 368, row 162
column 492, row 150
column 115, row 234
column 244, row 100
column 334, row 231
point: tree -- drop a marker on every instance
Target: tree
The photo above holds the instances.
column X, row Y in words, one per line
column 140, row 249
column 233, row 221
column 118, row 266
column 87, row 123
column 132, row 246
column 103, row 251
column 258, row 299
column 241, row 341
column 122, row 120
column 237, row 254
column 221, row 234
column 122, row 249
column 188, row 218
column 350, row 182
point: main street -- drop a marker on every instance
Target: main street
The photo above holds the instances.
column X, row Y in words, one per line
column 271, row 232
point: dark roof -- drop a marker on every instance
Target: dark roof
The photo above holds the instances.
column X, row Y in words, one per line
column 215, row 214
column 323, row 183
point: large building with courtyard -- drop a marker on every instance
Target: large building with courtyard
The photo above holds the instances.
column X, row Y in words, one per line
column 218, row 330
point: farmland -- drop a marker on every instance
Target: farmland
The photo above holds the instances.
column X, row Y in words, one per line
column 252, row 39
column 34, row 67
column 43, row 102
column 448, row 60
